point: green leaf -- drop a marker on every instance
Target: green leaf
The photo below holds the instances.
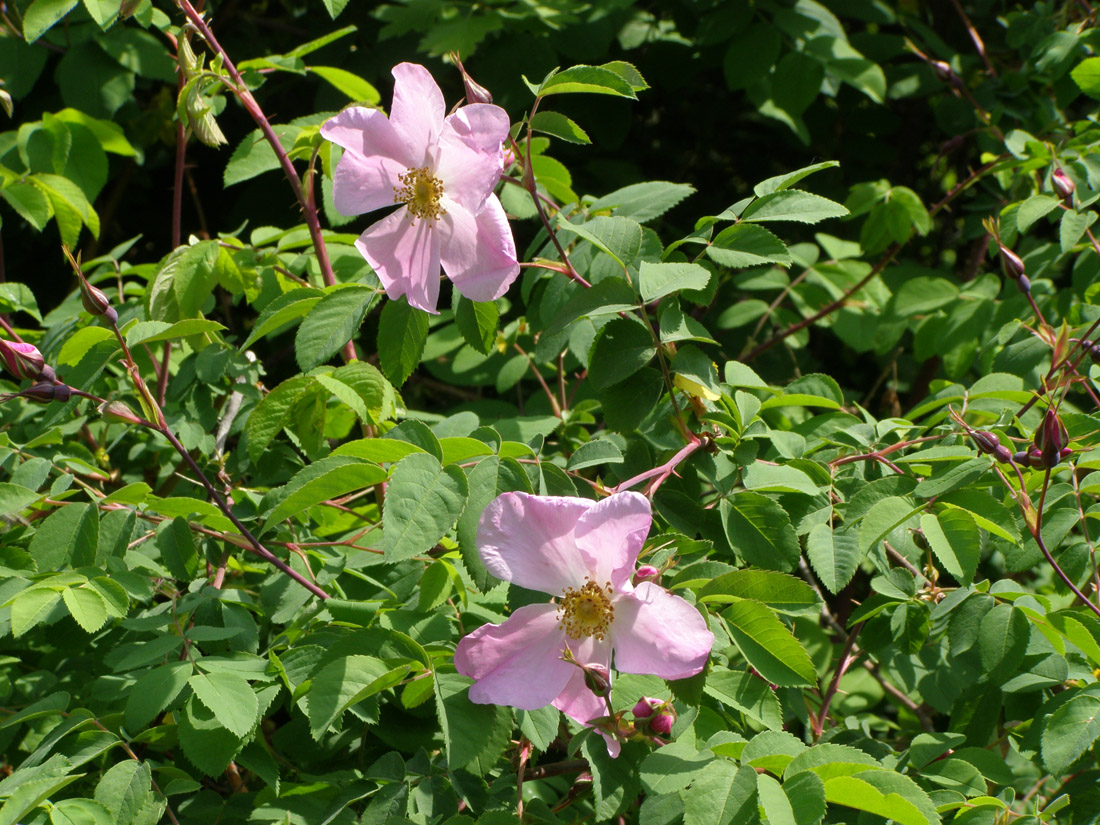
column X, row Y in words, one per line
column 80, row 812
column 339, row 685
column 1070, row 731
column 14, row 497
column 154, row 691
column 1032, row 209
column 352, row 85
column 363, row 388
column 148, row 332
column 779, row 591
column 745, row 244
column 780, row 182
column 68, row 535
column 176, row 544
column 834, row 555
column 760, row 531
column 320, row 481
column 587, row 79
column 271, row 413
column 722, row 794
column 402, row 331
column 30, row 795
column 748, row 693
column 655, row 281
column 331, row 323
column 71, row 208
column 792, row 205
column 124, row 790
column 619, row 237
column 558, row 125
column 254, row 155
column 955, row 539
column 642, row 202
column 334, row 7
column 423, row 501
column 621, row 348
column 86, row 606
column 29, row 202
column 592, row 453
column 42, row 15
column 477, row 321
column 230, row 698
column 1002, row 640
column 473, row 735
column 1085, row 74
column 205, row 741
column 777, row 478
column 768, row 644
column 858, row 792
column 286, row 308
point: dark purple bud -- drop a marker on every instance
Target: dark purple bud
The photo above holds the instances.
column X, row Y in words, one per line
column 23, row 361
column 987, row 442
column 655, row 715
column 1035, row 459
column 597, row 679
column 1023, row 284
column 1051, row 438
column 1014, row 264
column 1094, row 353
column 475, row 92
column 1063, row 185
column 1020, row 457
column 45, row 391
column 646, row 573
column 1003, row 455
column 48, row 374
column 94, row 300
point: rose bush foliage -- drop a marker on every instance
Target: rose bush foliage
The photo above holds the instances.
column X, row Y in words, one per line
column 785, row 311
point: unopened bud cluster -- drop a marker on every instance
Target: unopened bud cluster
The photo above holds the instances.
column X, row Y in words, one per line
column 654, row 716
column 25, row 363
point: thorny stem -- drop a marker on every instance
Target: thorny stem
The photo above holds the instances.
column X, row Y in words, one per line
column 556, row 769
column 662, row 472
column 309, row 208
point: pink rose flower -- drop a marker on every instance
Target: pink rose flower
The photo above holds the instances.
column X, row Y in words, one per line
column 442, row 170
column 583, row 553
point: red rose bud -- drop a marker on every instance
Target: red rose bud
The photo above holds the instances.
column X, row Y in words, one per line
column 987, row 442
column 1063, row 185
column 1035, row 459
column 23, row 361
column 1065, row 452
column 646, row 573
column 597, row 679
column 1013, row 262
column 655, row 715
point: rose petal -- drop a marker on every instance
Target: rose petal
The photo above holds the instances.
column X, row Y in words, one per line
column 656, row 632
column 528, row 540
column 363, row 184
column 482, row 125
column 405, row 256
column 612, row 534
column 417, row 112
column 468, row 175
column 366, row 132
column 478, row 252
column 519, row 662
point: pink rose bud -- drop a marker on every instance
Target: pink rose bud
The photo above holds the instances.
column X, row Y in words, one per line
column 1013, row 263
column 1063, row 185
column 646, row 573
column 597, row 679
column 656, row 715
column 509, row 157
column 23, row 361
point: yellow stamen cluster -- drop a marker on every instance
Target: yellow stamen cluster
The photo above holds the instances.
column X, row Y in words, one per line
column 421, row 192
column 586, row 611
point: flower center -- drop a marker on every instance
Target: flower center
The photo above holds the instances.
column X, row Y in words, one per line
column 420, row 191
column 586, row 611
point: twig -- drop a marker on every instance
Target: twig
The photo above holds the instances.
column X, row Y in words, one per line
column 974, row 36
column 847, row 656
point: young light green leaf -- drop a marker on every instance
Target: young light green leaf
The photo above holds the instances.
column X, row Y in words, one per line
column 655, row 281
column 745, row 244
column 42, row 15
column 321, row 481
column 351, row 84
column 792, row 205
column 558, row 125
column 590, row 79
column 955, row 539
column 86, row 606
